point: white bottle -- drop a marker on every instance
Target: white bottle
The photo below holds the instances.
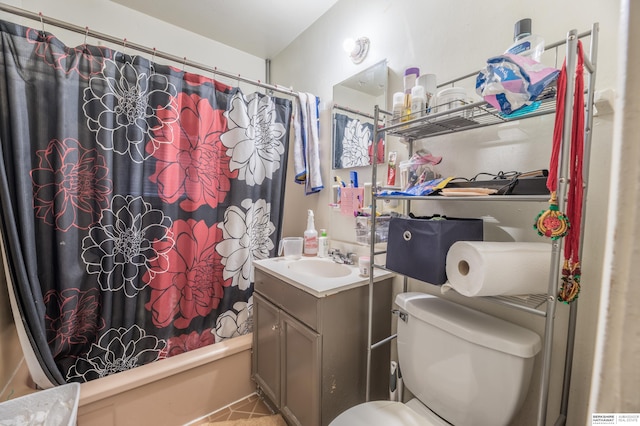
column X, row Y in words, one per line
column 525, row 43
column 398, row 102
column 310, row 237
column 323, row 244
column 418, row 102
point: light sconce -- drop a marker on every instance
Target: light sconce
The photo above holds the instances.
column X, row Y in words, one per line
column 356, row 49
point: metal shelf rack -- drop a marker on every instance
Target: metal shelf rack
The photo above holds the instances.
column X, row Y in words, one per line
column 480, row 114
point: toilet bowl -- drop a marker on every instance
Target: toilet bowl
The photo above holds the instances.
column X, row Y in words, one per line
column 464, row 367
column 389, row 413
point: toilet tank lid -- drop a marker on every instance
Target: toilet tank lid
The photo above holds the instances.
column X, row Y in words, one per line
column 471, row 325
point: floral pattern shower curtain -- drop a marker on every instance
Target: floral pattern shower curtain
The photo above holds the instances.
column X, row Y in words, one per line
column 135, row 197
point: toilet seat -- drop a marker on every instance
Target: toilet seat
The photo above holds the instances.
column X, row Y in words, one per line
column 387, row 413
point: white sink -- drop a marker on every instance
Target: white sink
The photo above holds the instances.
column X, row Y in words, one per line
column 321, row 268
column 318, row 276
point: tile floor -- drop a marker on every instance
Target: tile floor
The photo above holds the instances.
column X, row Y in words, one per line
column 251, row 407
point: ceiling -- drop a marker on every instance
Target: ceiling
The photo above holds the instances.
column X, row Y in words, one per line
column 260, row 27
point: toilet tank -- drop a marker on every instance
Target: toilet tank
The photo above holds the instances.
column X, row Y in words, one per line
column 468, row 367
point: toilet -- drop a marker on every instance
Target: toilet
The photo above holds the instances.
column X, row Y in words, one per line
column 464, row 367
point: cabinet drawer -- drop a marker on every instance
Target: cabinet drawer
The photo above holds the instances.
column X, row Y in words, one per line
column 296, row 302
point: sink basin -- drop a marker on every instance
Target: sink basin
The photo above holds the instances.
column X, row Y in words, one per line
column 319, row 276
column 320, row 268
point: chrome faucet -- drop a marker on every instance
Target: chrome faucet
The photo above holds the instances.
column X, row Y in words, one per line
column 344, row 258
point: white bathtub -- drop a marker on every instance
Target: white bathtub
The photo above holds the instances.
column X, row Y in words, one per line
column 172, row 391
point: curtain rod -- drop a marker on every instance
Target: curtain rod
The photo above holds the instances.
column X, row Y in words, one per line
column 144, row 49
column 353, row 111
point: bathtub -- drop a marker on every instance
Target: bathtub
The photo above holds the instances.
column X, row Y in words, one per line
column 171, row 391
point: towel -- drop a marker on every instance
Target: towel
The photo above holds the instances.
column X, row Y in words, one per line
column 306, row 147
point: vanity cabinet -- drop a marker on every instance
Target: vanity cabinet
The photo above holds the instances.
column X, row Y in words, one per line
column 310, row 352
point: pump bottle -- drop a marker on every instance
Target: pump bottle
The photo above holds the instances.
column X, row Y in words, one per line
column 310, row 237
column 323, row 244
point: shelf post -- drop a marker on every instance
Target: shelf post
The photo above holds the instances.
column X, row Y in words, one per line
column 372, row 245
column 556, row 255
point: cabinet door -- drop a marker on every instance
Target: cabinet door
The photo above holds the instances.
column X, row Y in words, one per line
column 266, row 347
column 301, row 372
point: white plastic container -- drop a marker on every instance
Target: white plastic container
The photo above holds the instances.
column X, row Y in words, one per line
column 56, row 406
column 323, row 244
column 398, row 102
column 364, row 263
column 429, row 82
column 418, row 102
column 310, row 237
column 452, row 97
column 524, row 42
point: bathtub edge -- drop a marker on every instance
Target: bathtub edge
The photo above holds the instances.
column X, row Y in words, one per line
column 117, row 383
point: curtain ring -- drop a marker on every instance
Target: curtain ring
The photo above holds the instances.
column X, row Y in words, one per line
column 213, row 78
column 86, row 33
column 42, row 33
column 184, row 63
column 124, row 48
column 153, row 61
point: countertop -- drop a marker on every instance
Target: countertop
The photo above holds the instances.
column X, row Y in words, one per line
column 294, row 273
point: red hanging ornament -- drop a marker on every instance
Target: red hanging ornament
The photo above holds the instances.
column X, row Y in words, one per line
column 552, row 223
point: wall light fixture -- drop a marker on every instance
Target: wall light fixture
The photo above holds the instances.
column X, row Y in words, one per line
column 356, row 49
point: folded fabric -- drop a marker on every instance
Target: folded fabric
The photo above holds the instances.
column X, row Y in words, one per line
column 306, row 146
column 510, row 82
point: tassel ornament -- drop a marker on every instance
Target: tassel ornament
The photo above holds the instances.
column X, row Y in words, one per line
column 552, row 223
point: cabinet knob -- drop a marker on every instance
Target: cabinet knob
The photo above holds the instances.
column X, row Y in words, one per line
column 275, row 327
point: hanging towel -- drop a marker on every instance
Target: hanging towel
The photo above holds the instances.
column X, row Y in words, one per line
column 306, row 152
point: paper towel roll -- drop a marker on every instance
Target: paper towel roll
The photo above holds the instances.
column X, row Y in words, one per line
column 483, row 268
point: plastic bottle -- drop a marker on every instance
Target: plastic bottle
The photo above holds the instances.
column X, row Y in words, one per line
column 525, row 43
column 310, row 237
column 363, row 265
column 428, row 81
column 418, row 102
column 398, row 103
column 323, row 244
column 410, row 77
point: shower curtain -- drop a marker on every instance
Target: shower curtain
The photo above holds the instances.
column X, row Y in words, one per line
column 134, row 197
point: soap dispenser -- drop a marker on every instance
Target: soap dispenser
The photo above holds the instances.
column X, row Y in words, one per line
column 323, row 244
column 310, row 237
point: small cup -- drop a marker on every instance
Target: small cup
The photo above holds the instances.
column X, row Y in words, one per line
column 291, row 247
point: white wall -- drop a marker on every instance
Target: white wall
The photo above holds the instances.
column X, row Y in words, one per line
column 118, row 21
column 451, row 39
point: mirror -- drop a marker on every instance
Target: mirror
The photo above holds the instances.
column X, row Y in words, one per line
column 354, row 100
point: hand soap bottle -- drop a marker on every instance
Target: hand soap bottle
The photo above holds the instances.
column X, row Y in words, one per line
column 323, row 244
column 310, row 237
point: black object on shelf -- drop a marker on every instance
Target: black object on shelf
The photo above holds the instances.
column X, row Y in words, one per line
column 517, row 186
